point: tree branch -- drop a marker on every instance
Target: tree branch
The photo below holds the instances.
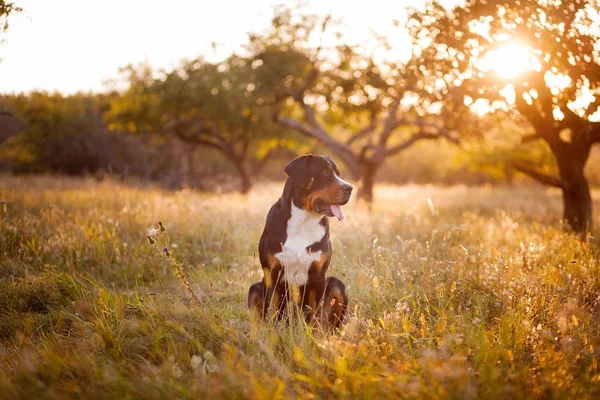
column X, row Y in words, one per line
column 391, row 122
column 544, row 129
column 539, row 176
column 409, row 142
column 245, row 147
column 364, row 131
column 274, row 152
column 298, row 93
column 299, row 126
column 315, row 130
column 593, row 107
column 529, row 112
column 341, row 150
column 530, row 138
column 573, row 121
column 199, row 140
column 422, row 135
column 595, row 132
column 316, row 133
column 309, row 116
column 204, row 135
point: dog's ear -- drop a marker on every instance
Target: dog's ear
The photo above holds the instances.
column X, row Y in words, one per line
column 333, row 164
column 298, row 170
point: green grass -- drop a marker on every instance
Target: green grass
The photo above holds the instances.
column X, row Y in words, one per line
column 454, row 293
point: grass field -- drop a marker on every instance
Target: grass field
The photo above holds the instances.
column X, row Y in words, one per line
column 454, row 293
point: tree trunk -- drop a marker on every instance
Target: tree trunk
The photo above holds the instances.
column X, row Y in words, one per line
column 367, row 181
column 191, row 165
column 244, row 172
column 577, row 199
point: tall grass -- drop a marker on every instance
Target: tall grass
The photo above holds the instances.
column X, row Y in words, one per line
column 455, row 292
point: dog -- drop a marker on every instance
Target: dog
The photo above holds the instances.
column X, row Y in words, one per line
column 295, row 247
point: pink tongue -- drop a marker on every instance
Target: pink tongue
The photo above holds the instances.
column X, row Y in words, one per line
column 337, row 211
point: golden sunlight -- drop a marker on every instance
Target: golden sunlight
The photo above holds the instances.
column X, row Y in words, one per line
column 159, row 37
column 509, row 60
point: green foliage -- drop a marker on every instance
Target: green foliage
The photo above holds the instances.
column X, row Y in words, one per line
column 212, row 104
column 137, row 109
column 502, row 145
column 53, row 120
column 66, row 134
column 303, row 51
column 352, row 98
column 302, row 59
column 455, row 293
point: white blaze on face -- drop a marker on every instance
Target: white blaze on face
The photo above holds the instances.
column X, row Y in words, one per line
column 336, row 209
column 303, row 229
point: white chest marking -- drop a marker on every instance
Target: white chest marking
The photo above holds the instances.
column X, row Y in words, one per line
column 303, row 229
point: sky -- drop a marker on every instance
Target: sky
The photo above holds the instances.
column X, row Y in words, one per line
column 77, row 45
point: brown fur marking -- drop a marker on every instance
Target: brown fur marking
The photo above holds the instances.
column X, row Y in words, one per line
column 272, row 260
column 332, row 194
column 317, row 266
column 273, row 264
column 274, row 306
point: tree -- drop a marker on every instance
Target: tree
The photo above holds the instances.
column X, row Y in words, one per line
column 212, row 105
column 557, row 93
column 359, row 106
column 6, row 9
column 53, row 132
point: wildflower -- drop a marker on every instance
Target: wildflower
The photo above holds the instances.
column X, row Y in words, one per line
column 176, row 371
column 162, row 227
column 211, row 364
column 196, row 362
column 151, row 240
column 167, row 253
column 151, row 232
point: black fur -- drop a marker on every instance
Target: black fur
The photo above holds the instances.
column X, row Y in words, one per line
column 305, row 174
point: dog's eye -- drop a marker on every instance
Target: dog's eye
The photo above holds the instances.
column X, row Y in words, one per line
column 326, row 172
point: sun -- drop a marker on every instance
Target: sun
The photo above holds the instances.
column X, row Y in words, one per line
column 509, row 60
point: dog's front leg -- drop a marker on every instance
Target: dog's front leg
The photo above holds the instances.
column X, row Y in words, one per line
column 271, row 280
column 313, row 296
column 315, row 286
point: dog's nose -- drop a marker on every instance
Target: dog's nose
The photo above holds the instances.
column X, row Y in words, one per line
column 347, row 189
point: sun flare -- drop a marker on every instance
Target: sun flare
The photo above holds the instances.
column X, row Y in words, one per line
column 509, row 60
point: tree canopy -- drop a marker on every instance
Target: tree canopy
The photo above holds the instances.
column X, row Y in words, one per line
column 555, row 87
column 213, row 105
column 478, row 69
column 6, row 9
column 348, row 97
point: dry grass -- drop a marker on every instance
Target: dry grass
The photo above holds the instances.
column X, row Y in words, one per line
column 455, row 292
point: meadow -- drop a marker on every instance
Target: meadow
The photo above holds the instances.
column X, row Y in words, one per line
column 455, row 292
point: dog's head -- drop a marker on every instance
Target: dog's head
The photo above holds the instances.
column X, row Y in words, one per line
column 323, row 189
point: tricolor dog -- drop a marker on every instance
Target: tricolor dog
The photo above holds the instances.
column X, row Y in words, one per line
column 295, row 248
